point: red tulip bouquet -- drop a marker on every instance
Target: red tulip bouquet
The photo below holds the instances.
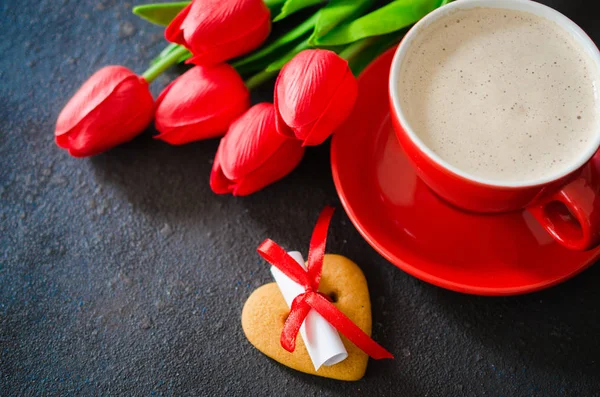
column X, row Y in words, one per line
column 232, row 49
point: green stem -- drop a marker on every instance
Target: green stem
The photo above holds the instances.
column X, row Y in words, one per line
column 260, row 78
column 159, row 67
column 280, row 63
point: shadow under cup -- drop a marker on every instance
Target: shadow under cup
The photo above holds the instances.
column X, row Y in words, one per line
column 566, row 203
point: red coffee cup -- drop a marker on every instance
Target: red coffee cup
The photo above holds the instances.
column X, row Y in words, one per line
column 567, row 204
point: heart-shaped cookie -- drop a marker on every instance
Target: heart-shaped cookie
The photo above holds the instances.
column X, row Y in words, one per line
column 265, row 313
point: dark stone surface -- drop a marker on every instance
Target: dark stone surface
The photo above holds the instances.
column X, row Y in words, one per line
column 123, row 274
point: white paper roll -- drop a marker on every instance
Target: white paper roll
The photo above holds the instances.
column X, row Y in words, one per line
column 321, row 339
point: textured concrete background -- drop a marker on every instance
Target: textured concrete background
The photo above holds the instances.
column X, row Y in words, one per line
column 123, row 274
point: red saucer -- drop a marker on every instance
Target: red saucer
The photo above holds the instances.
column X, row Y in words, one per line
column 411, row 227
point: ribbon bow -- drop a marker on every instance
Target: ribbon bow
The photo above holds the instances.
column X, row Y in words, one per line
column 312, row 298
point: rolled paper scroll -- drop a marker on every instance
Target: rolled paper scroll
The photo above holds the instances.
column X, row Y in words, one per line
column 321, row 339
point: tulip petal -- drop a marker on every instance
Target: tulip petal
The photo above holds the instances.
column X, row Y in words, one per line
column 338, row 109
column 206, row 88
column 307, row 84
column 234, row 47
column 253, row 155
column 314, row 93
column 218, row 181
column 280, row 124
column 218, row 30
column 118, row 118
column 250, row 141
column 280, row 164
column 174, row 31
column 91, row 95
column 200, row 104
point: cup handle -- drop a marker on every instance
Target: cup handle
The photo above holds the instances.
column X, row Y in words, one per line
column 572, row 214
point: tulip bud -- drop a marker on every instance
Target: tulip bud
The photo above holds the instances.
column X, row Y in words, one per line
column 200, row 104
column 252, row 154
column 314, row 93
column 217, row 30
column 111, row 107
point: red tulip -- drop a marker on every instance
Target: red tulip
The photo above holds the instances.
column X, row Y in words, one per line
column 218, row 30
column 200, row 104
column 253, row 155
column 314, row 93
column 110, row 108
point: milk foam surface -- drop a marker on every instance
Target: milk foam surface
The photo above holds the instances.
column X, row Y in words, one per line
column 506, row 96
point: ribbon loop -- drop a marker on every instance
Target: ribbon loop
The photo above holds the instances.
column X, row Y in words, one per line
column 316, row 252
column 298, row 313
column 278, row 257
column 311, row 298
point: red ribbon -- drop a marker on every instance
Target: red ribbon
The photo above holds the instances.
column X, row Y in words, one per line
column 311, row 298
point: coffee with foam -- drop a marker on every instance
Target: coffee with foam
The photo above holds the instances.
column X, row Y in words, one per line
column 505, row 96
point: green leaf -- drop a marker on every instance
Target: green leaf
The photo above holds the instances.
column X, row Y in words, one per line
column 291, row 6
column 389, row 18
column 336, row 12
column 160, row 13
column 269, row 51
